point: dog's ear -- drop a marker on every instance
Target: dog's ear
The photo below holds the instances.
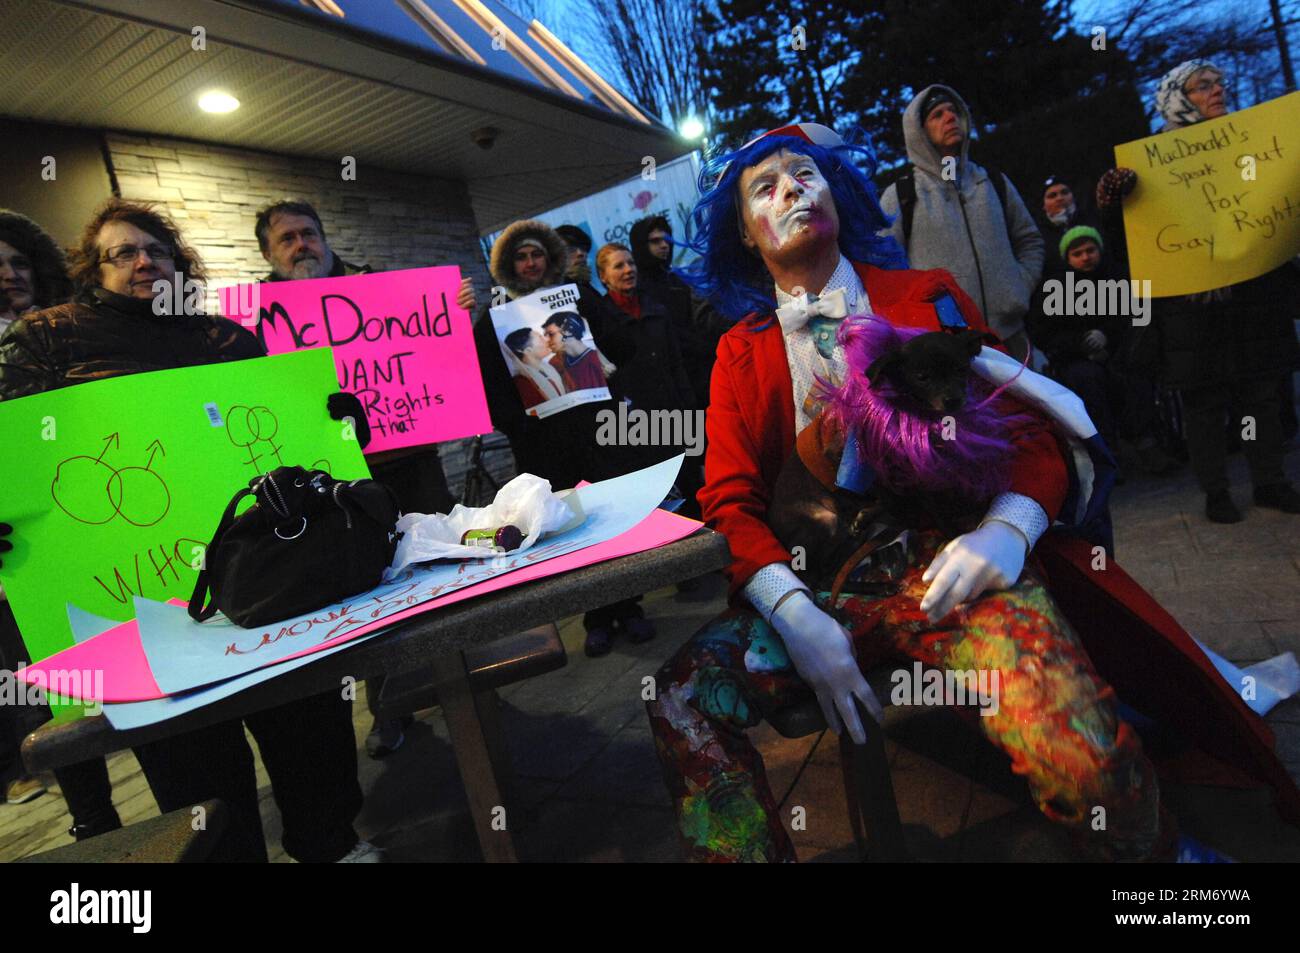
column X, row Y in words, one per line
column 882, row 364
column 973, row 341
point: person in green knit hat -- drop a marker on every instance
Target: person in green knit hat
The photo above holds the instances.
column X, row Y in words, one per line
column 1094, row 355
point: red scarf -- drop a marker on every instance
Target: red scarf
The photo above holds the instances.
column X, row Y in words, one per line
column 629, row 305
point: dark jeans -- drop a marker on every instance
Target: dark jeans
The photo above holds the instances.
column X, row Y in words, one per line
column 606, row 616
column 15, row 720
column 421, row 487
column 89, row 795
column 1096, row 387
column 1139, row 413
column 85, row 786
column 418, row 480
column 1205, row 411
column 310, row 754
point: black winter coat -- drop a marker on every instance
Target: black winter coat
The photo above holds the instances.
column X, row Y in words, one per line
column 101, row 335
column 561, row 448
column 1061, row 336
column 1236, row 333
column 655, row 378
column 698, row 325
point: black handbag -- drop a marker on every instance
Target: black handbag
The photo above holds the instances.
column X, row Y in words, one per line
column 308, row 541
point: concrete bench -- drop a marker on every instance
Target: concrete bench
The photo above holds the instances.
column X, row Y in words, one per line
column 496, row 665
column 169, row 839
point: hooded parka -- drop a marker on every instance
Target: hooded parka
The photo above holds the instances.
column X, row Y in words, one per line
column 959, row 224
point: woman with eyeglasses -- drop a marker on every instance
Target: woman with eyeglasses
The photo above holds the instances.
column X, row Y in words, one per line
column 1230, row 352
column 110, row 326
column 131, row 271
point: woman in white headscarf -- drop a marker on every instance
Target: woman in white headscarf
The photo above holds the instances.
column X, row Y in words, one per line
column 1232, row 349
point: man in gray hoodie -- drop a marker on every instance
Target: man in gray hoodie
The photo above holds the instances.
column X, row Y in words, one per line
column 961, row 220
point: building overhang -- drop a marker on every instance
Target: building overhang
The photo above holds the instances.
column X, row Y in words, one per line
column 316, row 88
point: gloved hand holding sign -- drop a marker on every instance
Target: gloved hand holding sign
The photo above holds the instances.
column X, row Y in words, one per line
column 344, row 405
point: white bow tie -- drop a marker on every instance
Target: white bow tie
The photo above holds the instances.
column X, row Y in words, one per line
column 797, row 313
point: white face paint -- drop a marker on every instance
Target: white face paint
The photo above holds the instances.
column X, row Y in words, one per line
column 785, row 196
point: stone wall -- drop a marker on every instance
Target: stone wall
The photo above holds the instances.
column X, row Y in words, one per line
column 381, row 218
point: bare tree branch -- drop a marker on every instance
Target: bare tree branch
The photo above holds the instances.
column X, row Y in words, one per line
column 648, row 50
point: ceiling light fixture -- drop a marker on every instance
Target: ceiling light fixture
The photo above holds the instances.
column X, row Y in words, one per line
column 216, row 101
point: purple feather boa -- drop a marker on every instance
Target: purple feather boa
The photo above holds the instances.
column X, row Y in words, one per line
column 901, row 439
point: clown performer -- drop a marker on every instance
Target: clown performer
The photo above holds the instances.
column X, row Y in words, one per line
column 790, row 213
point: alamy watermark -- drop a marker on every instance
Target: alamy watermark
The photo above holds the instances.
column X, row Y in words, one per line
column 651, row 428
column 34, row 687
column 76, row 905
column 180, row 295
column 922, row 686
column 1098, row 297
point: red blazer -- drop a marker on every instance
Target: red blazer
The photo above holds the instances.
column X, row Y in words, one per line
column 750, row 422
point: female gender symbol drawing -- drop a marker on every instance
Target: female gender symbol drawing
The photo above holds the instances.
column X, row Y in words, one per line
column 254, row 429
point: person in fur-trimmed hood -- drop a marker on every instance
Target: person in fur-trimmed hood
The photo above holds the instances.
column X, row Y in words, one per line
column 33, row 272
column 959, row 219
column 521, row 272
column 529, row 255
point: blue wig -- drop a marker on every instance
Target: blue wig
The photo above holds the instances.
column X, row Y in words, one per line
column 732, row 277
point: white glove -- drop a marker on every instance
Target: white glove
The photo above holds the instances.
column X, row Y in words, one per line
column 822, row 654
column 1095, row 340
column 990, row 557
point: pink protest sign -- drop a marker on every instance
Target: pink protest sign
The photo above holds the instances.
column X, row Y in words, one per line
column 400, row 344
column 127, row 677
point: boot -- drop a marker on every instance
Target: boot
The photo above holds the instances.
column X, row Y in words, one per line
column 1219, row 508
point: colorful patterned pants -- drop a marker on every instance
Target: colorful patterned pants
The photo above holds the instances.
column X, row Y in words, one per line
column 1054, row 717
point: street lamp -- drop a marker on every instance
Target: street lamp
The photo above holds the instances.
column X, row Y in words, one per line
column 692, row 128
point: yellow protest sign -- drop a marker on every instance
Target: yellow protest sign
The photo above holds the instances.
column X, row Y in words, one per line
column 1217, row 202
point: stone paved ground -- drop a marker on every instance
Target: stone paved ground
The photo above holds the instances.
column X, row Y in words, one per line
column 589, row 783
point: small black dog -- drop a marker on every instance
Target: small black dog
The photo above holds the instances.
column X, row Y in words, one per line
column 931, row 371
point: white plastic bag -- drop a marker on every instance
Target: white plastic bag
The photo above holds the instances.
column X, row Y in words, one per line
column 526, row 502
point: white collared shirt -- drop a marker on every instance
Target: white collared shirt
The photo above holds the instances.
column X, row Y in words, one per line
column 806, row 363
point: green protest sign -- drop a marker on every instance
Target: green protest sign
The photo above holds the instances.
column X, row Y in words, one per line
column 114, row 487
